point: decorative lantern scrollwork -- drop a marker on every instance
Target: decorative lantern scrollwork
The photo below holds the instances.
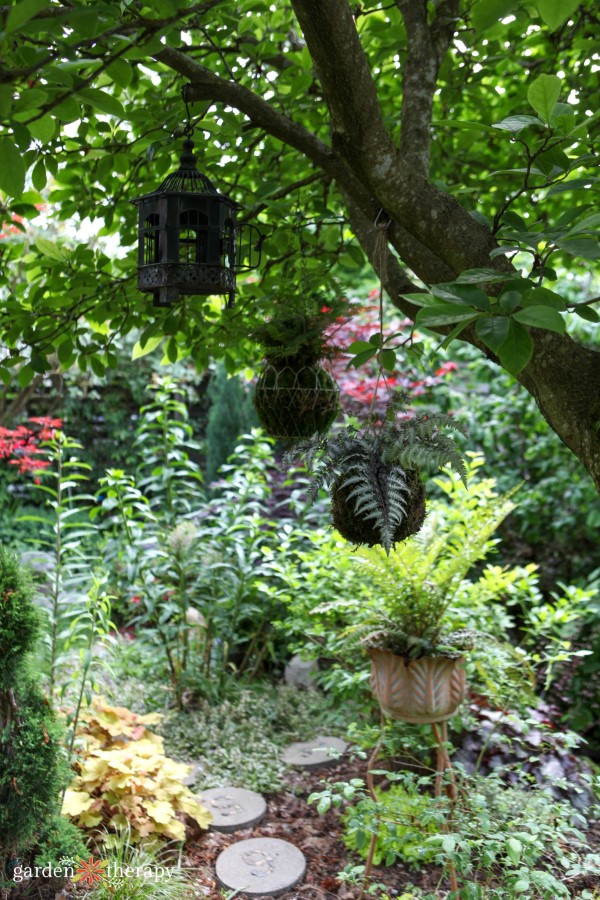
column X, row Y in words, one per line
column 189, row 242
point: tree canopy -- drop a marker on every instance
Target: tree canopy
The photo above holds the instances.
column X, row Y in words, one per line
column 463, row 132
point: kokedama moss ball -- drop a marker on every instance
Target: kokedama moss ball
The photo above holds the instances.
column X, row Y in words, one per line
column 295, row 403
column 359, row 530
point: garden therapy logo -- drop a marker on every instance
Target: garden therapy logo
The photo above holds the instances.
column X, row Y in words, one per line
column 92, row 872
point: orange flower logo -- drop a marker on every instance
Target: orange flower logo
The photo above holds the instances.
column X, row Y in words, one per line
column 90, row 871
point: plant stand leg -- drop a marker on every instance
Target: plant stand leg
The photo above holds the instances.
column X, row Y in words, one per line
column 371, row 787
column 443, row 765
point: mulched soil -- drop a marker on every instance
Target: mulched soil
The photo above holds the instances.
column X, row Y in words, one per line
column 290, row 818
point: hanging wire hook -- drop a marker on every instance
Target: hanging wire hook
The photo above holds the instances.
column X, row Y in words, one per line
column 382, row 220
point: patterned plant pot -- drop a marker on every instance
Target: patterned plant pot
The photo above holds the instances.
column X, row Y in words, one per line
column 423, row 691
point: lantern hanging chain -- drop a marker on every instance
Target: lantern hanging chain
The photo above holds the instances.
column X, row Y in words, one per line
column 189, row 128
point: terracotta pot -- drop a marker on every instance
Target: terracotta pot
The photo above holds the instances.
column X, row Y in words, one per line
column 423, row 691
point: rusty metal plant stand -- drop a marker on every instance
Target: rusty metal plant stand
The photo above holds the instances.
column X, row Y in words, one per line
column 443, row 765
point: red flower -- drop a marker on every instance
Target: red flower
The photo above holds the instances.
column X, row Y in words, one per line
column 446, row 367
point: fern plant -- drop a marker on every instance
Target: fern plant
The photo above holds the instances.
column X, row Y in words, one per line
column 416, row 584
column 295, row 397
column 378, row 496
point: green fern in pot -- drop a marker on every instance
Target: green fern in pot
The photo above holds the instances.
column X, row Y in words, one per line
column 374, row 474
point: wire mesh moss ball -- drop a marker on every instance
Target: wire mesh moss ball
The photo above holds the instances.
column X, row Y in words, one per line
column 357, row 529
column 296, row 403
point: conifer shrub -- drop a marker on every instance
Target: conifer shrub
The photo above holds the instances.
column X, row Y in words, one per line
column 33, row 769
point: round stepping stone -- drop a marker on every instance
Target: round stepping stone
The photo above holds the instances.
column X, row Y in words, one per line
column 195, row 770
column 261, row 866
column 322, row 751
column 233, row 808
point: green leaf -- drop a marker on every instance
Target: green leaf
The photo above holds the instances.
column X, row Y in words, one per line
column 515, row 124
column 574, row 184
column 360, row 346
column 443, row 314
column 552, row 162
column 121, row 72
column 422, row 299
column 493, row 331
column 388, row 360
column 49, row 249
column 106, row 103
column 449, row 844
column 43, row 129
column 323, row 805
column 487, row 13
column 589, row 224
column 521, row 885
column 38, row 175
column 586, row 248
column 151, row 344
column 514, row 849
column 509, row 300
column 541, row 317
column 65, row 352
column 456, row 331
column 6, row 99
column 516, row 350
column 362, row 357
column 98, row 367
column 23, row 12
column 12, row 168
column 25, row 376
column 586, row 312
column 482, row 276
column 543, row 95
column 541, row 296
column 556, row 12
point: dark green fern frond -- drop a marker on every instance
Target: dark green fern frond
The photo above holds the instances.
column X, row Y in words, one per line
column 377, row 492
column 422, row 442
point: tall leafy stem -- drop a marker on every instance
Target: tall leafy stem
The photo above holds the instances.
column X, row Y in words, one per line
column 67, row 536
column 167, row 475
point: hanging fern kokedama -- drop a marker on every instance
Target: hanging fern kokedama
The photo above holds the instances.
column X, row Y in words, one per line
column 296, row 403
column 379, row 504
column 295, row 397
column 378, row 496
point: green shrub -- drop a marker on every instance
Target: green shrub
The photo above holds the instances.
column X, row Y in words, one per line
column 396, row 819
column 34, row 769
column 231, row 414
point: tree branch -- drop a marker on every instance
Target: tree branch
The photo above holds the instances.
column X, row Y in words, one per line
column 427, row 46
column 358, row 130
column 205, row 85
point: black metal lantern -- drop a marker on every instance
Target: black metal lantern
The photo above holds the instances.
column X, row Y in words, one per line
column 188, row 239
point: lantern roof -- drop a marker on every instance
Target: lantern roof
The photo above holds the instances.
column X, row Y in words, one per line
column 188, row 180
